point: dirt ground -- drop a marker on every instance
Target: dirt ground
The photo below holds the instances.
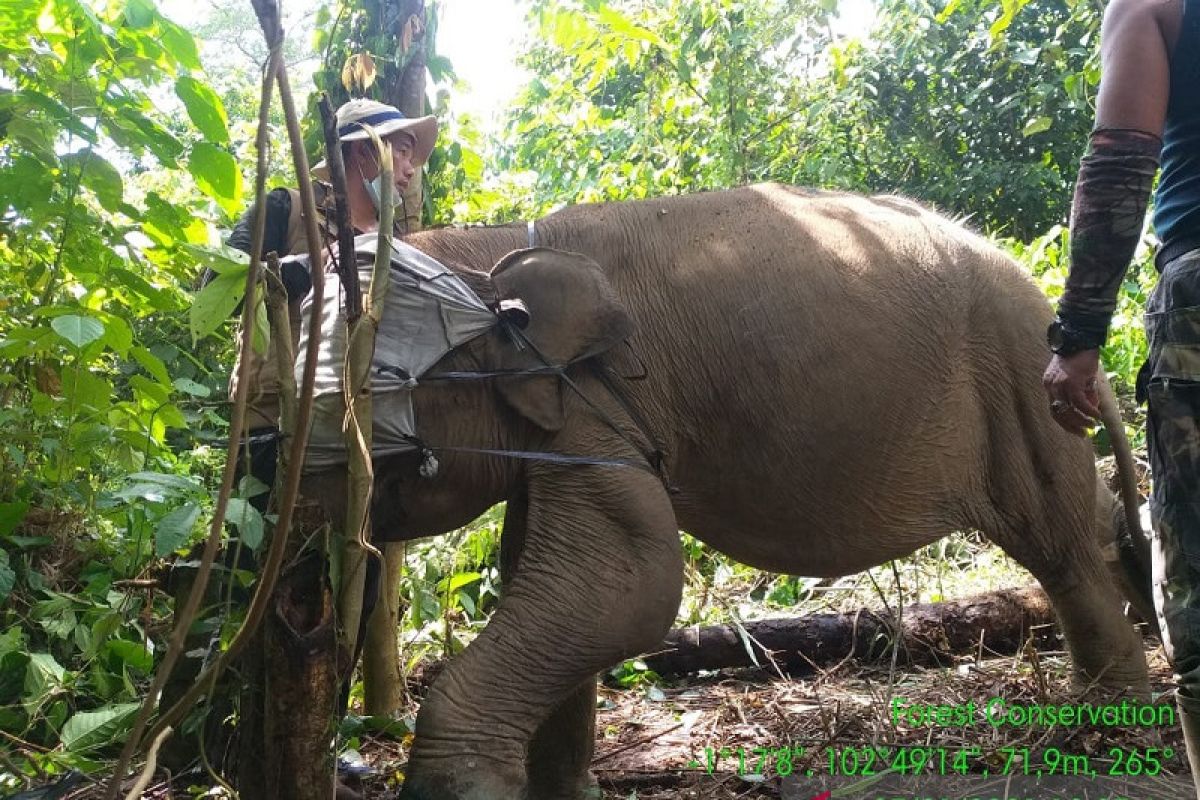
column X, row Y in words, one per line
column 705, row 737
column 759, row 734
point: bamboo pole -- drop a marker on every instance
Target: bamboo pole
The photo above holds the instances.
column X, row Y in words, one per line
column 356, row 385
column 382, row 686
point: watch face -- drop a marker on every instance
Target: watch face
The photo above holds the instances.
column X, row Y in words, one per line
column 1054, row 335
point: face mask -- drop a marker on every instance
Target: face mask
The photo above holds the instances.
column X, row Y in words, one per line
column 375, row 188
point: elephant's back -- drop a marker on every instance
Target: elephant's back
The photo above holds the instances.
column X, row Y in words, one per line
column 816, row 361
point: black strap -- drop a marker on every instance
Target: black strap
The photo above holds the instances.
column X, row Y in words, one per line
column 1175, row 249
column 654, row 460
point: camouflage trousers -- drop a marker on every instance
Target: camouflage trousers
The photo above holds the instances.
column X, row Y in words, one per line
column 1173, row 434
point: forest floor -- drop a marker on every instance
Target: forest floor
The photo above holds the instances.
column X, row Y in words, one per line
column 733, row 733
column 757, row 733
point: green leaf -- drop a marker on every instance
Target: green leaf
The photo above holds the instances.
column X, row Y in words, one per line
column 82, row 386
column 180, row 44
column 8, row 578
column 11, row 515
column 91, row 729
column 159, row 486
column 215, row 303
column 455, row 582
column 217, row 174
column 178, row 483
column 140, row 14
column 43, row 675
column 1037, row 125
column 247, row 520
column 98, row 175
column 618, row 23
column 261, row 339
column 221, row 259
column 189, row 386
column 205, row 109
column 948, row 11
column 175, row 529
column 152, row 364
column 135, row 654
column 77, row 330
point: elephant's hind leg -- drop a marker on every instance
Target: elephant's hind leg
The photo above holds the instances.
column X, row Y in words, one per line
column 1049, row 530
column 598, row 580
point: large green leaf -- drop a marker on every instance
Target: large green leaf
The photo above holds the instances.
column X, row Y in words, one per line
column 215, row 303
column 152, row 364
column 175, row 529
column 85, row 388
column 247, row 520
column 221, row 259
column 77, row 330
column 217, row 174
column 91, row 729
column 159, row 486
column 205, row 109
column 98, row 175
column 140, row 14
column 180, row 44
column 135, row 654
column 11, row 515
column 43, row 676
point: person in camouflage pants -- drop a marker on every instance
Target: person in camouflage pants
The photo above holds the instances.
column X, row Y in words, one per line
column 1147, row 110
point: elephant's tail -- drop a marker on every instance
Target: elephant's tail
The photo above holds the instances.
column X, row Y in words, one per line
column 1133, row 547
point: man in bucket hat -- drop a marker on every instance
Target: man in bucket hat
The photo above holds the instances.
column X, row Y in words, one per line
column 412, row 141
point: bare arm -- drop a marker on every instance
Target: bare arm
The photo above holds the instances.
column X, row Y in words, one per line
column 1112, row 191
column 1136, row 40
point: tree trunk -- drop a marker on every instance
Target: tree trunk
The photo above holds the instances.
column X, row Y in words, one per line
column 933, row 633
column 301, row 681
column 382, row 684
column 407, row 93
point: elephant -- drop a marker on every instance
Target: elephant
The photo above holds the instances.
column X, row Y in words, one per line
column 810, row 382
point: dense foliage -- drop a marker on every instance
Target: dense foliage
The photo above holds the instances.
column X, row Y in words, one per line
column 980, row 109
column 121, row 165
column 108, row 397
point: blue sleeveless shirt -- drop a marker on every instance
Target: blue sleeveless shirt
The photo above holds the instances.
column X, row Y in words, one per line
column 1177, row 202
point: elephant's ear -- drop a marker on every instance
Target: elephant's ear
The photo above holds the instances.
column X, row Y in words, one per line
column 574, row 313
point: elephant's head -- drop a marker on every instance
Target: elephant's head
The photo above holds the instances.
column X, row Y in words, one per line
column 570, row 313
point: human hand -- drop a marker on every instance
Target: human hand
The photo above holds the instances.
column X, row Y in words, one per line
column 1070, row 383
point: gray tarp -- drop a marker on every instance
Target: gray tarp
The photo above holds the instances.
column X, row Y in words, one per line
column 429, row 311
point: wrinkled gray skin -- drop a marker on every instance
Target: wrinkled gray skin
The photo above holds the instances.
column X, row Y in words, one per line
column 835, row 380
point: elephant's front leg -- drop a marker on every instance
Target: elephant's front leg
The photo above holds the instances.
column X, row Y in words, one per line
column 599, row 580
column 561, row 751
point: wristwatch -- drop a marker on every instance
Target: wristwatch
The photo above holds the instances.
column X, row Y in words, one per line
column 1066, row 341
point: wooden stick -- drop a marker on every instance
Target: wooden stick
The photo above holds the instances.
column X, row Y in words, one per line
column 346, row 263
column 135, row 793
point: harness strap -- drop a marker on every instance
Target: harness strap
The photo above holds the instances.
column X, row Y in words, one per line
column 531, row 231
column 553, row 458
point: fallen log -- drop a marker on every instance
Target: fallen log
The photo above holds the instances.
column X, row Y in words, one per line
column 932, row 635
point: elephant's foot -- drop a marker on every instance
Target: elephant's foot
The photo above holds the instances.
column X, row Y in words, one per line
column 466, row 778
column 565, row 787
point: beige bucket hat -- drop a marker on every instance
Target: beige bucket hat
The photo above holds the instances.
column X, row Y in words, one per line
column 386, row 120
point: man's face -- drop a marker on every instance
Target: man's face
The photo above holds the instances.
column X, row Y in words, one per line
column 402, row 167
